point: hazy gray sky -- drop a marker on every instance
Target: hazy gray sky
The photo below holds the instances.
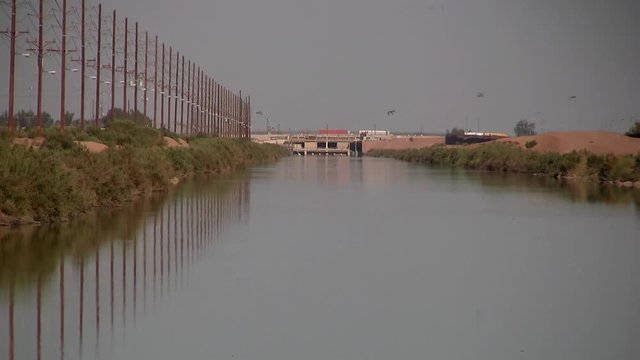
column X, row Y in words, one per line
column 308, row 63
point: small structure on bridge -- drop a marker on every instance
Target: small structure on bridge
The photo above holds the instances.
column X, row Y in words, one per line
column 326, row 142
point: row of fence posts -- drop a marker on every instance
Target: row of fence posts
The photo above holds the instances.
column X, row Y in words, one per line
column 201, row 105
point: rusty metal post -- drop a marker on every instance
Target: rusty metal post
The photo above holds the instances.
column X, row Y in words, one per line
column 198, row 107
column 146, row 82
column 135, row 70
column 211, row 127
column 227, row 120
column 125, row 108
column 63, row 64
column 188, row 98
column 208, row 99
column 205, row 107
column 182, row 99
column 155, row 87
column 12, row 66
column 113, row 67
column 175, row 100
column 40, row 64
column 193, row 98
column 162, row 91
column 169, row 88
column 98, row 66
column 82, row 65
column 219, row 109
column 214, row 107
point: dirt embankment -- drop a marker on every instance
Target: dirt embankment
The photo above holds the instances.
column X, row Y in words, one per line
column 172, row 143
column 401, row 143
column 92, row 146
column 597, row 142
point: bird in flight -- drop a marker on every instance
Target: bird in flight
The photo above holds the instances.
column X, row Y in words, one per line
column 480, row 94
column 258, row 112
column 391, row 112
column 573, row 97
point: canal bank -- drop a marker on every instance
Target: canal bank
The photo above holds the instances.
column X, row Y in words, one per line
column 61, row 175
column 622, row 169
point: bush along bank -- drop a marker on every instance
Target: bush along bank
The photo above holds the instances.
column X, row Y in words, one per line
column 60, row 178
column 504, row 157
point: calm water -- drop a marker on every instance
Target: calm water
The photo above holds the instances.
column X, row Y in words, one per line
column 333, row 259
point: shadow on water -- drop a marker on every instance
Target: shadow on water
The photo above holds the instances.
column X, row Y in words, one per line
column 62, row 286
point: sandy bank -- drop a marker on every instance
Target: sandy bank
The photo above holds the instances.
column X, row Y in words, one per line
column 416, row 142
column 597, row 142
column 173, row 143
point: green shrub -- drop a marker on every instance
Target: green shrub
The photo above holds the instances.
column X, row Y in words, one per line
column 62, row 179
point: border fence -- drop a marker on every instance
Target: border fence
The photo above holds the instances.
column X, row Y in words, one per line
column 120, row 70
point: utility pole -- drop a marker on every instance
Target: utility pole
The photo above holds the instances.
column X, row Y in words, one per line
column 113, row 67
column 63, row 63
column 98, row 66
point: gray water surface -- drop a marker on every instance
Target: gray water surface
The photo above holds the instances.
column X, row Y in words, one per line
column 334, row 258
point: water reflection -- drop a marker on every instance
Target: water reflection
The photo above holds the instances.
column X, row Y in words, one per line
column 374, row 173
column 577, row 191
column 59, row 283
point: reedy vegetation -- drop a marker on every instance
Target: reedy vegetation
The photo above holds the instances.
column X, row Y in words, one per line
column 62, row 179
column 504, row 157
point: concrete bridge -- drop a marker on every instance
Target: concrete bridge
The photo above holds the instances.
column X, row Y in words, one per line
column 346, row 145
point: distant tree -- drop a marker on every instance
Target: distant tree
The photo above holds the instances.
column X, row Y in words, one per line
column 525, row 128
column 634, row 131
column 124, row 115
column 68, row 118
column 27, row 119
